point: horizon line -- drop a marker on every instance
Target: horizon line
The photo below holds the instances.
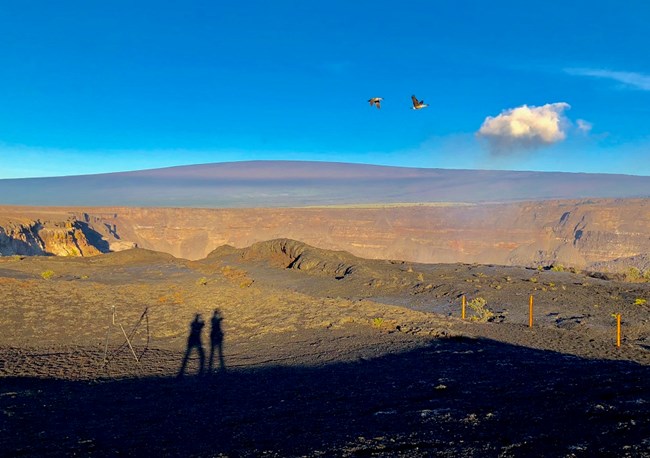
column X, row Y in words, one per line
column 302, row 161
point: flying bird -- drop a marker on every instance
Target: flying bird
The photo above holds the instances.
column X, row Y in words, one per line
column 418, row 104
column 376, row 101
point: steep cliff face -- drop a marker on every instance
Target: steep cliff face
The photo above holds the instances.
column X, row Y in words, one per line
column 68, row 239
column 582, row 234
column 59, row 238
column 17, row 238
column 573, row 233
column 586, row 234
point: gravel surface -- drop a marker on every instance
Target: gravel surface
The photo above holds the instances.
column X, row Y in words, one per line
column 374, row 362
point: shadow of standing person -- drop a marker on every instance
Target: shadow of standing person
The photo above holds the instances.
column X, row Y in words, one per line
column 194, row 341
column 216, row 340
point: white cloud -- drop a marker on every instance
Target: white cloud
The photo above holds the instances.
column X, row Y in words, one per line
column 525, row 128
column 629, row 79
column 584, row 126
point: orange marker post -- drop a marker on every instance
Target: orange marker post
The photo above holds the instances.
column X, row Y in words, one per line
column 530, row 312
column 618, row 329
column 463, row 309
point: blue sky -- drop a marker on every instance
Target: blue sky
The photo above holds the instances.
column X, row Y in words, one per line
column 91, row 87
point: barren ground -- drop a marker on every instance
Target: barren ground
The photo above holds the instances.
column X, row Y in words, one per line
column 325, row 354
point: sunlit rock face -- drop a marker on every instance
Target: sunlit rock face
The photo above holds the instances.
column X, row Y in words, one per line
column 67, row 237
column 16, row 238
column 609, row 233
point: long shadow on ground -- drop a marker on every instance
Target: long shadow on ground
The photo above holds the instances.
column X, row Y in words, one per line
column 469, row 397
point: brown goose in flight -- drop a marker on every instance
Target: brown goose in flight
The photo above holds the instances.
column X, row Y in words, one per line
column 376, row 101
column 418, row 104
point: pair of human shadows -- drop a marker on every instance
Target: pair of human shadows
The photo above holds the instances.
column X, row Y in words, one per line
column 195, row 342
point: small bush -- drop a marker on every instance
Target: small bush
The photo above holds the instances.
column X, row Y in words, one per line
column 633, row 274
column 237, row 276
column 533, row 279
column 558, row 268
column 202, row 281
column 47, row 274
column 481, row 312
column 640, row 301
column 377, row 322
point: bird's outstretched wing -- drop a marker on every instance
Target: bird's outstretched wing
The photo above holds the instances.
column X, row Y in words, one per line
column 415, row 101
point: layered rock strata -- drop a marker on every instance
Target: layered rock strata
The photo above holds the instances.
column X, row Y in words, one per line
column 578, row 233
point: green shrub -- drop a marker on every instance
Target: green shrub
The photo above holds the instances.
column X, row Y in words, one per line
column 640, row 301
column 558, row 268
column 480, row 309
column 633, row 274
column 47, row 274
column 377, row 322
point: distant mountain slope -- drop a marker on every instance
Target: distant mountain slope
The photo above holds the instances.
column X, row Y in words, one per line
column 295, row 184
